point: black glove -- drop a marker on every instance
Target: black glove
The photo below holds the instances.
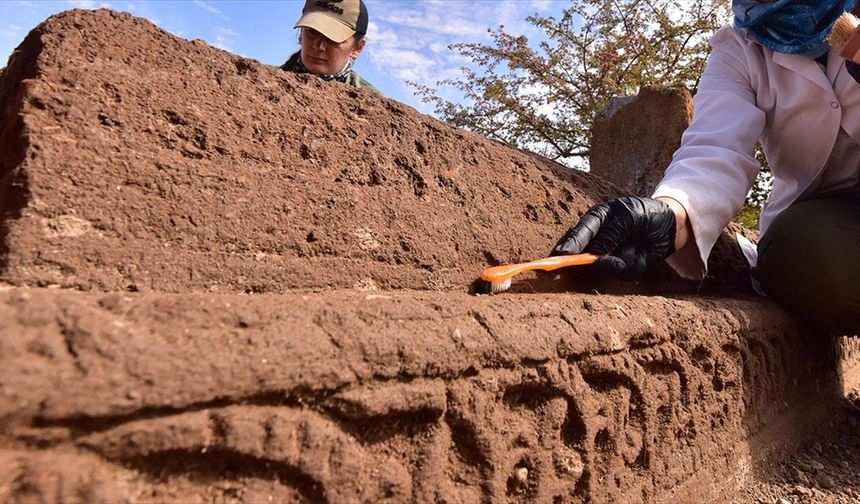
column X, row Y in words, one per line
column 634, row 232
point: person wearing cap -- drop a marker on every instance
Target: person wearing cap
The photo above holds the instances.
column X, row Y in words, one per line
column 331, row 38
column 771, row 79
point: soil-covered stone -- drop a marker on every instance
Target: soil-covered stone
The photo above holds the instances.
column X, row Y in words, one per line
column 400, row 396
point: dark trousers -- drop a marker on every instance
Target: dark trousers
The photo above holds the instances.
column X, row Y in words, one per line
column 809, row 262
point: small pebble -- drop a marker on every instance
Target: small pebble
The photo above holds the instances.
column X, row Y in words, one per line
column 825, row 481
column 522, row 475
column 800, row 490
column 799, row 476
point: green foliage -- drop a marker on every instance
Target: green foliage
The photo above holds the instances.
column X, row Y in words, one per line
column 748, row 216
column 544, row 97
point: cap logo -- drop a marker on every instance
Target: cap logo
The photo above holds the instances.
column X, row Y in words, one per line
column 330, row 6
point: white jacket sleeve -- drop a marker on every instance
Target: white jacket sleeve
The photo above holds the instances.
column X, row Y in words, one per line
column 715, row 165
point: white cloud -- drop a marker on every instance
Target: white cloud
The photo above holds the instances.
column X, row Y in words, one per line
column 438, row 47
column 512, row 15
column 409, row 39
column 12, row 31
column 225, row 38
column 375, row 33
column 407, row 59
column 435, row 22
column 389, row 53
column 88, row 4
column 542, row 5
column 205, row 6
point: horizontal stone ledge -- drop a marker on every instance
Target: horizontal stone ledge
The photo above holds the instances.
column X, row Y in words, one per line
column 583, row 397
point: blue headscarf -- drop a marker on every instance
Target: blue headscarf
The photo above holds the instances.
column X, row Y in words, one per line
column 790, row 26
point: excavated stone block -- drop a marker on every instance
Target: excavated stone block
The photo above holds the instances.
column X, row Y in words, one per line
column 634, row 138
column 135, row 160
column 399, row 396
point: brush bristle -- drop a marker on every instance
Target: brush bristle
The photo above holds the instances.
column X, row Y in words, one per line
column 484, row 287
column 842, row 30
column 497, row 287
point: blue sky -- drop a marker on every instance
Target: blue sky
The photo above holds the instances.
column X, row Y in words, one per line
column 407, row 39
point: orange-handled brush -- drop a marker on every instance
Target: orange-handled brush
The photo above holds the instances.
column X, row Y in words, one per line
column 845, row 37
column 498, row 278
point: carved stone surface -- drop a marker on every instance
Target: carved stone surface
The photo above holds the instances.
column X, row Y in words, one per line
column 398, row 396
column 634, row 138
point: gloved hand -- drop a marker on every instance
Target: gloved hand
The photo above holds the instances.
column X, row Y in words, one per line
column 634, row 232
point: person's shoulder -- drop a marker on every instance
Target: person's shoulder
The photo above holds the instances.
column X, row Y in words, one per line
column 357, row 81
column 729, row 36
column 734, row 44
column 291, row 65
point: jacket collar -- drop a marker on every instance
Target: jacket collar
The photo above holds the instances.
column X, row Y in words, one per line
column 805, row 66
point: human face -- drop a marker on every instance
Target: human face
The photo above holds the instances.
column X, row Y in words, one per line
column 321, row 55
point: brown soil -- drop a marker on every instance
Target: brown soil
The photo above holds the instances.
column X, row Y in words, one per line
column 275, row 271
column 825, row 471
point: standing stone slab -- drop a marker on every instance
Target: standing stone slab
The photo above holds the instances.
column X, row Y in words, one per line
column 633, row 139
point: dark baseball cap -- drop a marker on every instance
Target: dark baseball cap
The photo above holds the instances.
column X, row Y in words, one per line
column 337, row 20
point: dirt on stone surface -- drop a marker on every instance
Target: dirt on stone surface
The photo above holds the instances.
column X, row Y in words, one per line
column 398, row 396
column 825, row 471
column 153, row 163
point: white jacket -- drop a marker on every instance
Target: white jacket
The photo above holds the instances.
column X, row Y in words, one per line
column 750, row 93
